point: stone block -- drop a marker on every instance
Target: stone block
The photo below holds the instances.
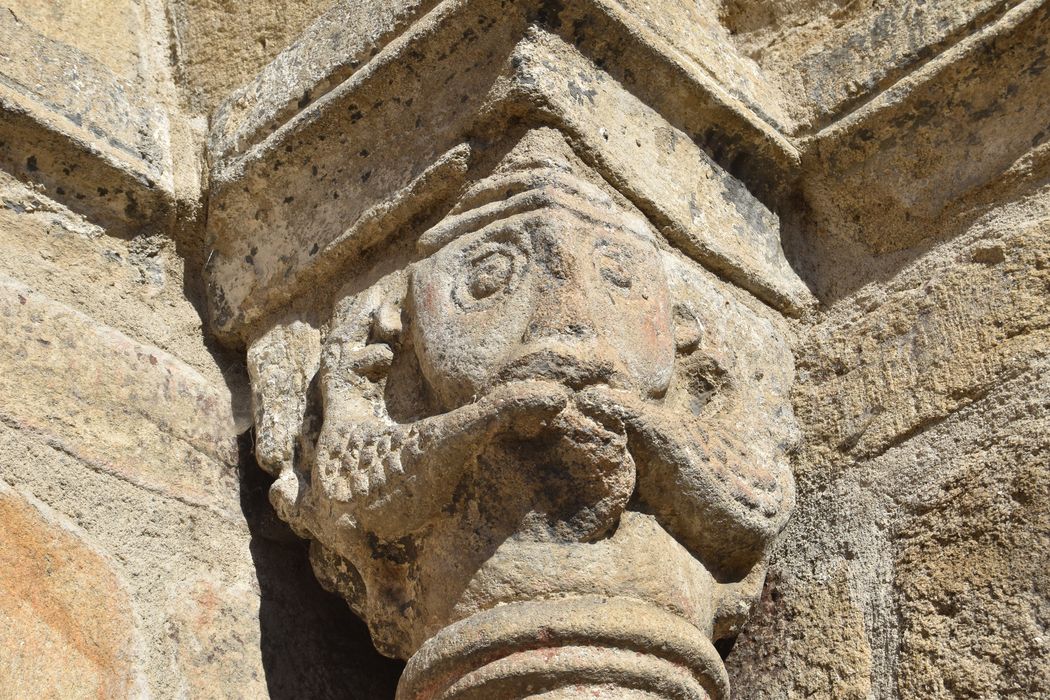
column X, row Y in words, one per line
column 947, row 330
column 775, row 659
column 909, row 165
column 67, row 627
column 125, row 407
column 113, row 33
column 220, row 45
column 140, row 286
column 697, row 32
column 84, row 117
column 972, row 550
column 829, row 57
column 921, row 399
column 326, row 53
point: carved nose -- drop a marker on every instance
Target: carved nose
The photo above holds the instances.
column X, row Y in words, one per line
column 560, row 315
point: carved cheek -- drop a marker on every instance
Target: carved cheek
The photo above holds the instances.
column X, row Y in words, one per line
column 659, row 340
column 660, row 324
column 434, row 300
column 653, row 307
column 429, row 305
column 432, row 309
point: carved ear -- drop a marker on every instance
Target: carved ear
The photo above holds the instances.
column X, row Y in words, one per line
column 704, row 368
column 281, row 364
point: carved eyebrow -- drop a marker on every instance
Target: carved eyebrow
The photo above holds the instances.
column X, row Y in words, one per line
column 548, row 196
column 459, row 225
column 505, row 185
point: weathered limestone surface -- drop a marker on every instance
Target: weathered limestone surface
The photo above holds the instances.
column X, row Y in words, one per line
column 828, row 56
column 136, row 562
column 68, row 630
column 221, row 45
column 923, row 404
column 927, row 154
column 84, row 115
column 244, row 251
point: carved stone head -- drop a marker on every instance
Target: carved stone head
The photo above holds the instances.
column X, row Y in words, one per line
column 563, row 293
column 548, row 422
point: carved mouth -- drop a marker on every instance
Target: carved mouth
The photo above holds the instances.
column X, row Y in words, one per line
column 569, row 370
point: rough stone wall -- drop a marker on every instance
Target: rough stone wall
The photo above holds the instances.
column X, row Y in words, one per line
column 141, row 557
column 918, row 557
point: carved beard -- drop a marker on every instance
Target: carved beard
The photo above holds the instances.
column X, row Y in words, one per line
column 560, row 464
column 534, row 464
column 543, row 462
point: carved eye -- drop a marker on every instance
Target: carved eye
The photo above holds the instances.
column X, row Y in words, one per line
column 490, row 271
column 614, row 264
column 489, row 274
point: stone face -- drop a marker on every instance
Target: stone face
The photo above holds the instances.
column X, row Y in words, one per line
column 534, row 320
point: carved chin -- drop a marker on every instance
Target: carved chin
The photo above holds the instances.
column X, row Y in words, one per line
column 571, row 482
column 592, row 451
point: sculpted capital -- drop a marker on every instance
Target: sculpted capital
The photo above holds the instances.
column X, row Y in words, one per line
column 547, row 452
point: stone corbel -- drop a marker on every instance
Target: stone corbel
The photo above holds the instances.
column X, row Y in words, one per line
column 524, row 387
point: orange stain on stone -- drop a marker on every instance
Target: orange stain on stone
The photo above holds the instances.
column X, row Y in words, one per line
column 66, row 624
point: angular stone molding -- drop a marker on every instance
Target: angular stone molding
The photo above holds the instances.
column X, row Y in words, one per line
column 82, row 116
column 389, row 140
